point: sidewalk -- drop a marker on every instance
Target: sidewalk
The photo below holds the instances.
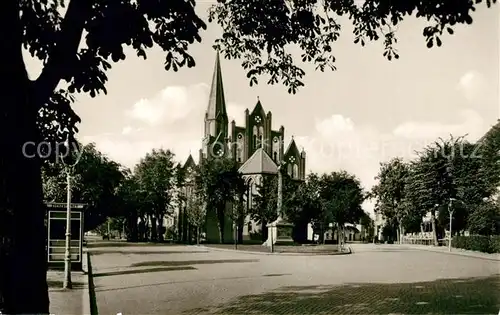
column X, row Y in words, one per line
column 75, row 301
column 454, row 251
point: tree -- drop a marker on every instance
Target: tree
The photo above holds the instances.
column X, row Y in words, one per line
column 390, row 192
column 196, row 213
column 485, row 219
column 264, row 204
column 156, row 176
column 95, row 180
column 312, row 209
column 78, row 48
column 368, row 225
column 449, row 169
column 218, row 180
column 129, row 203
column 342, row 195
column 264, row 35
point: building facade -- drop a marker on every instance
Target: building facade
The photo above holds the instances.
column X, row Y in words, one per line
column 255, row 145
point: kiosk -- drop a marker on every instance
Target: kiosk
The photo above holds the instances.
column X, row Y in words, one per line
column 56, row 238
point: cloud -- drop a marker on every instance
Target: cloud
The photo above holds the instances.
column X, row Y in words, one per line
column 473, row 86
column 337, row 143
column 171, row 104
column 172, row 118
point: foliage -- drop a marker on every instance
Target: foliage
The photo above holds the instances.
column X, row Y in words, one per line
column 489, row 149
column 196, row 210
column 481, row 243
column 342, row 195
column 390, row 191
column 219, row 181
column 95, row 179
column 264, row 36
column 156, row 176
column 265, row 200
column 303, row 205
column 485, row 219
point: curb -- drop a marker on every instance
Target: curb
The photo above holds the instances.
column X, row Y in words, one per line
column 269, row 253
column 86, row 290
column 91, row 306
column 458, row 253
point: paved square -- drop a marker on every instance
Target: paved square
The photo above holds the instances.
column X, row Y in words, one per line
column 376, row 279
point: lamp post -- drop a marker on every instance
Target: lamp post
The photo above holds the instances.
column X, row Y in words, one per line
column 67, row 257
column 450, row 211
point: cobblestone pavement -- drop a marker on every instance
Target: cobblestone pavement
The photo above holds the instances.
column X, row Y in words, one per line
column 182, row 279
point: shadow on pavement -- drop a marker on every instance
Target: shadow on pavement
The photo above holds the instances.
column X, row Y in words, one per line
column 191, row 262
column 123, row 252
column 457, row 296
column 56, row 284
column 100, row 244
column 137, row 271
column 189, row 281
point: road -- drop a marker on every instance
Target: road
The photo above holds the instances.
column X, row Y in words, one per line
column 183, row 279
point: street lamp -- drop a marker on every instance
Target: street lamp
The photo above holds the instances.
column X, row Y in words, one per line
column 68, row 168
column 450, row 211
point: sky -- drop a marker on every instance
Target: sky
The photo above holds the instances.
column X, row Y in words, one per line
column 366, row 112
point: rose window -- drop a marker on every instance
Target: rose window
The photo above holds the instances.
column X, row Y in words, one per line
column 258, row 119
column 240, row 136
column 292, row 159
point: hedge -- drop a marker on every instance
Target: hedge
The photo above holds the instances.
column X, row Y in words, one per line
column 485, row 244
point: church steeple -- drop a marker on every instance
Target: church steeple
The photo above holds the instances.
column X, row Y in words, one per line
column 216, row 120
column 216, row 102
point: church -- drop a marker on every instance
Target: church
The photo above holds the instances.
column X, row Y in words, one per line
column 256, row 146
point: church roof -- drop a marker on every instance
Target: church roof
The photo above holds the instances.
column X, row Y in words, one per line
column 216, row 101
column 259, row 163
column 292, row 147
column 258, row 109
column 189, row 162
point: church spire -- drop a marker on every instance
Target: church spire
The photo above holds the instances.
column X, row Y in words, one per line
column 216, row 102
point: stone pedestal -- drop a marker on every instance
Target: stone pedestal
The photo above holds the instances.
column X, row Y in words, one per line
column 279, row 233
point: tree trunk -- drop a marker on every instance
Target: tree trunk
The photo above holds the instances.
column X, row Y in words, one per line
column 198, row 235
column 220, row 224
column 434, row 232
column 160, row 228
column 23, row 266
column 154, row 232
column 264, row 231
column 339, row 237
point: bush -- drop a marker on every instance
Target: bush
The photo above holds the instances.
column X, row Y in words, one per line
column 485, row 244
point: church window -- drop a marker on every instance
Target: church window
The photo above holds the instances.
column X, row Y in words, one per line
column 255, row 135
column 258, row 119
column 289, row 169
column 292, row 159
column 239, row 147
column 295, row 171
column 261, row 136
column 275, row 156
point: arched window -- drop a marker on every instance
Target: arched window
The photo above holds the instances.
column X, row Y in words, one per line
column 239, row 147
column 255, row 137
column 295, row 171
column 261, row 137
column 289, row 169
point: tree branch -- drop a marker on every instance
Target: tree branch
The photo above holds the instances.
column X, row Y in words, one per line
column 65, row 50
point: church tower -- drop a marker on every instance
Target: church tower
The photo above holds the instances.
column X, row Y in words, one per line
column 215, row 138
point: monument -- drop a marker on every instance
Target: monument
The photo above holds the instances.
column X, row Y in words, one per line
column 279, row 231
